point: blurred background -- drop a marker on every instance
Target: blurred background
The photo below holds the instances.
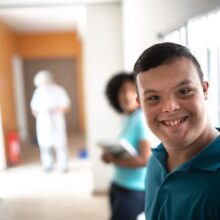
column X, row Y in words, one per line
column 83, row 42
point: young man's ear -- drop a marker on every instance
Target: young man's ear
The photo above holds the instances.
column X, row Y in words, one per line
column 205, row 86
column 138, row 100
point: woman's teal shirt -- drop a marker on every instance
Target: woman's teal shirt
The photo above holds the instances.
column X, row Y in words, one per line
column 134, row 130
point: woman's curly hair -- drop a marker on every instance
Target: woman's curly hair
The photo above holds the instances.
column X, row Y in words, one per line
column 113, row 87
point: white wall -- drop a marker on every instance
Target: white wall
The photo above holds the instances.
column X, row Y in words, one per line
column 102, row 58
column 20, row 98
column 2, row 146
column 135, row 30
column 144, row 20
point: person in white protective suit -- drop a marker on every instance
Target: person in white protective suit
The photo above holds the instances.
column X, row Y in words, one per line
column 49, row 104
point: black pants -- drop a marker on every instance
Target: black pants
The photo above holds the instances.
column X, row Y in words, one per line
column 126, row 204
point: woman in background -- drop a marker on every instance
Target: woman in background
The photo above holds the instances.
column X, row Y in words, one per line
column 127, row 194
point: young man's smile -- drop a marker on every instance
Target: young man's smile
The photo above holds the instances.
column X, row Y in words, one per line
column 175, row 122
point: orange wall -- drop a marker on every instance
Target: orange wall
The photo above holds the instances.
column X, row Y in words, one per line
column 7, row 99
column 48, row 45
column 55, row 45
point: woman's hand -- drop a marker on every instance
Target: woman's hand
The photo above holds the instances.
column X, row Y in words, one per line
column 136, row 161
column 108, row 157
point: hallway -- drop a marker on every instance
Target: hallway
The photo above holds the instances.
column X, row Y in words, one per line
column 27, row 193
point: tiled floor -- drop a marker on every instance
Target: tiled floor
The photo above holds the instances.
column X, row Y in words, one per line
column 27, row 193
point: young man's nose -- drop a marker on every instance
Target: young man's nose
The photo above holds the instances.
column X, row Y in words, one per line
column 170, row 105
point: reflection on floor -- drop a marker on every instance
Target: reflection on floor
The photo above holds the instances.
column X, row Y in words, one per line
column 27, row 193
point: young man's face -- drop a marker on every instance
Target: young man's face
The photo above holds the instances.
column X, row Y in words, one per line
column 173, row 100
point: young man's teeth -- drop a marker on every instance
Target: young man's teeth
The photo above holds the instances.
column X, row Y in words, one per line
column 173, row 123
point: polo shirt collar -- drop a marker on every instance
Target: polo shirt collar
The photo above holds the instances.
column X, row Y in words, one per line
column 161, row 155
column 208, row 159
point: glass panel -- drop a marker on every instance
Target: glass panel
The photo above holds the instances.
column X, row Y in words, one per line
column 202, row 36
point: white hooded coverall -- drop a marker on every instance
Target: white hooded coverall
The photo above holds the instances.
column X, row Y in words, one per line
column 50, row 123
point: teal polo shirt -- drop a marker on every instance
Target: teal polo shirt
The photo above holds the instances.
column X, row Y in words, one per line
column 190, row 192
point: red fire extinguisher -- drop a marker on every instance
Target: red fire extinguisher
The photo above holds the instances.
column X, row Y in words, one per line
column 14, row 148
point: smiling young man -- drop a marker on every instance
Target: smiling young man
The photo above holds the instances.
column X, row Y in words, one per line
column 183, row 180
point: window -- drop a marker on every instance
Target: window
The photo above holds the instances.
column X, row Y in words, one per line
column 202, row 36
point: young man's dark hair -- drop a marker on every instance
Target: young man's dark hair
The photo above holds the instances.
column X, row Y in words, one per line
column 113, row 87
column 163, row 53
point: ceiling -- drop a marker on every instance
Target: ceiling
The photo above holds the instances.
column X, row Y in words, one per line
column 24, row 16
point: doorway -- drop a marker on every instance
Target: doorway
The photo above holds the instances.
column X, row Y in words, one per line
column 64, row 72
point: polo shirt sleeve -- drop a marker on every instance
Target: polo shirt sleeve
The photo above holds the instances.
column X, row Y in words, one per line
column 214, row 205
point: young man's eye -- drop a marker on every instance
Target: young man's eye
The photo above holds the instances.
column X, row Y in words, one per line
column 185, row 91
column 153, row 98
